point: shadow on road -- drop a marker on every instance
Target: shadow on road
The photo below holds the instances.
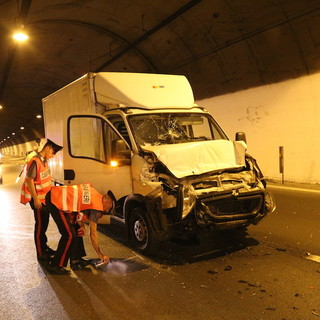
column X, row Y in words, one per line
column 206, row 246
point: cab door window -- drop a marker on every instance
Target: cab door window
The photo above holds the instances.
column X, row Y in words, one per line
column 91, row 137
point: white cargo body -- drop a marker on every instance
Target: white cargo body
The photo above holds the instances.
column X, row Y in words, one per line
column 77, row 97
column 169, row 165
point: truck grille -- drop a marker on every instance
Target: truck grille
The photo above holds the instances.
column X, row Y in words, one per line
column 231, row 206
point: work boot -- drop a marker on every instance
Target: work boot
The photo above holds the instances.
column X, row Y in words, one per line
column 58, row 270
column 79, row 263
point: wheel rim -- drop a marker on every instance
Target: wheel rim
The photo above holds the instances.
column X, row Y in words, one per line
column 140, row 230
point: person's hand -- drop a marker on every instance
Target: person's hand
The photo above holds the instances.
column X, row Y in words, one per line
column 104, row 258
column 81, row 231
column 37, row 204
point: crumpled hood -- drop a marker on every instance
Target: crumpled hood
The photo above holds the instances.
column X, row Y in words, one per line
column 193, row 158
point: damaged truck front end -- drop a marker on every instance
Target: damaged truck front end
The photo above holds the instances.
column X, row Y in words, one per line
column 197, row 182
column 219, row 200
column 227, row 200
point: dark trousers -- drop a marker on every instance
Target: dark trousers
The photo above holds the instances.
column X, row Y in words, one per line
column 70, row 244
column 41, row 217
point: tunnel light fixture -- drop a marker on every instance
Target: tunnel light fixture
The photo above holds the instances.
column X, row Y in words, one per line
column 21, row 128
column 20, row 36
column 39, row 116
column 13, row 133
column 1, row 106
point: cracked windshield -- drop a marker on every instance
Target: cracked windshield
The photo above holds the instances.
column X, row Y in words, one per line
column 172, row 128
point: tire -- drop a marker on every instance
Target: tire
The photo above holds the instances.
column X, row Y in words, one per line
column 141, row 233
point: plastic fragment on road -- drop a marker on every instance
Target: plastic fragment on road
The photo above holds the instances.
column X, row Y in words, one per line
column 313, row 257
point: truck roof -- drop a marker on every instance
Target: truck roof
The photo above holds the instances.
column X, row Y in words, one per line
column 143, row 90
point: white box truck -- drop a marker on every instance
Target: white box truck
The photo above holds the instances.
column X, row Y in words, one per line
column 170, row 167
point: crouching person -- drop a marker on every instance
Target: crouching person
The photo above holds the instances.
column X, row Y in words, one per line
column 70, row 206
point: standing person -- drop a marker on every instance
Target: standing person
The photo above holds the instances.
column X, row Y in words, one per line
column 70, row 206
column 29, row 156
column 34, row 189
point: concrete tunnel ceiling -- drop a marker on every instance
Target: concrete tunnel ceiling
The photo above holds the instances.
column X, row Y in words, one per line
column 222, row 46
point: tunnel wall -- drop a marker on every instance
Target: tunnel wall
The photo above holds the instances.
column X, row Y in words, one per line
column 21, row 150
column 285, row 114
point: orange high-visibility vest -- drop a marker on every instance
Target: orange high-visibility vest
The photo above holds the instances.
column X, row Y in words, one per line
column 76, row 198
column 42, row 182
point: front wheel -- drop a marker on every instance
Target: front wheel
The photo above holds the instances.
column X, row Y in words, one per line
column 143, row 236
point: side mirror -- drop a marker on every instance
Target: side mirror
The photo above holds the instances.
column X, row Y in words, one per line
column 241, row 136
column 120, row 153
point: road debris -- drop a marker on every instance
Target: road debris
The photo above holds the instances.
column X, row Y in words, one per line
column 312, row 257
column 212, row 271
column 271, row 308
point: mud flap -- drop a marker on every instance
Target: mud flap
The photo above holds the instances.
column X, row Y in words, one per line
column 157, row 219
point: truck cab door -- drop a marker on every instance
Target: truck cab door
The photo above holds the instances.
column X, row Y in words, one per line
column 97, row 154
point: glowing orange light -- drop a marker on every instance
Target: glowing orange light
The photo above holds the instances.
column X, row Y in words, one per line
column 113, row 163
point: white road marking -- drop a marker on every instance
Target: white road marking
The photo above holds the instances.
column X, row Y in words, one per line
column 293, row 188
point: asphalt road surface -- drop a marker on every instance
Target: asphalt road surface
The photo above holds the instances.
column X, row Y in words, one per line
column 270, row 272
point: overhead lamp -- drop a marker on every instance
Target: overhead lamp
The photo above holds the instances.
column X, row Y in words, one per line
column 13, row 133
column 22, row 128
column 39, row 116
column 20, row 35
column 1, row 107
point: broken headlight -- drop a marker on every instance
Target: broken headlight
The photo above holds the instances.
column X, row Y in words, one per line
column 188, row 199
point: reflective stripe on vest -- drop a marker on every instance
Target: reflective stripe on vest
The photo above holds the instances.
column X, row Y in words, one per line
column 75, row 195
column 42, row 182
column 76, row 198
